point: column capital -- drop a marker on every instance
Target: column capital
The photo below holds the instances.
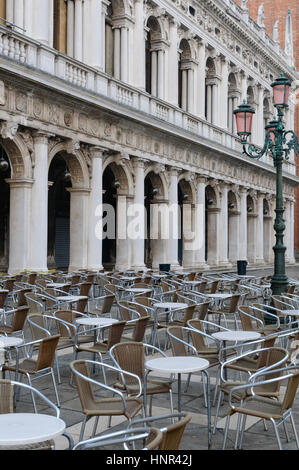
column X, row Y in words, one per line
column 139, row 162
column 201, row 179
column 41, row 136
column 173, row 171
column 97, row 151
column 19, row 182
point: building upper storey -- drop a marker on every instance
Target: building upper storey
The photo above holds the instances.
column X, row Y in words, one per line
column 185, row 64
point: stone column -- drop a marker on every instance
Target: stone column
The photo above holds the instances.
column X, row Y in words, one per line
column 105, row 5
column 190, row 106
column 137, row 235
column 28, row 24
column 189, row 235
column 19, row 225
column 213, row 236
column 243, row 224
column 233, row 236
column 172, row 92
column 117, row 53
column 93, row 34
column 160, row 84
column 42, row 22
column 223, row 239
column 124, row 245
column 174, row 218
column 124, row 54
column 154, row 77
column 224, row 94
column 215, row 104
column 287, row 233
column 243, row 86
column 70, row 27
column 78, row 31
column 94, row 253
column 201, row 80
column 139, row 46
column 79, row 218
column 209, row 103
column 260, row 230
column 39, row 204
column 18, row 13
column 200, row 217
column 184, row 90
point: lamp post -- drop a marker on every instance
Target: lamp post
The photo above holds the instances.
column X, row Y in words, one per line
column 278, row 142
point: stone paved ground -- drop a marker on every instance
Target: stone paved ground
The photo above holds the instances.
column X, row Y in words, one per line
column 195, row 436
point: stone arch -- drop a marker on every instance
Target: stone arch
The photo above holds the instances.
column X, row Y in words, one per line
column 122, row 173
column 188, row 188
column 158, row 181
column 155, row 27
column 210, row 67
column 76, row 164
column 19, row 157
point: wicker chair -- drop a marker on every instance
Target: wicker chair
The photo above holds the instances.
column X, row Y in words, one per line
column 230, row 309
column 101, row 347
column 271, row 358
column 172, row 433
column 151, row 436
column 39, row 367
column 277, row 411
column 93, row 406
column 130, row 357
column 138, row 332
column 16, row 326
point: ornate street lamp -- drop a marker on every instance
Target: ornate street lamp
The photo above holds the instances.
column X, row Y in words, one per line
column 278, row 142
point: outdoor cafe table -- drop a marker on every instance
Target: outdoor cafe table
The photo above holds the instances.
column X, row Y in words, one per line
column 28, row 428
column 180, row 365
column 7, row 342
column 235, row 336
column 70, row 299
column 95, row 322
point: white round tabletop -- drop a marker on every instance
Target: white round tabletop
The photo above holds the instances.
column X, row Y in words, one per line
column 170, row 305
column 237, row 335
column 192, row 282
column 128, row 278
column 9, row 341
column 57, row 284
column 218, row 295
column 71, row 298
column 177, row 364
column 96, row 321
column 27, row 428
column 292, row 313
column 138, row 290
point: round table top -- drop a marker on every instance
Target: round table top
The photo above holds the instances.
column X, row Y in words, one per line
column 137, row 290
column 293, row 313
column 128, row 278
column 9, row 341
column 238, row 335
column 96, row 321
column 27, row 428
column 218, row 295
column 71, row 298
column 170, row 305
column 177, row 364
column 192, row 282
column 58, row 284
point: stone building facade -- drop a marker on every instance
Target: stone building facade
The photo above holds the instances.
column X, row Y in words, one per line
column 127, row 104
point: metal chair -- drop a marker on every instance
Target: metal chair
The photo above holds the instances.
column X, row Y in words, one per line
column 93, row 406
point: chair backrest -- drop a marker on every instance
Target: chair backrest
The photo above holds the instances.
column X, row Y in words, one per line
column 32, row 278
column 85, row 288
column 178, row 348
column 36, row 320
column 75, row 279
column 233, row 304
column 290, row 392
column 85, row 390
column 191, row 276
column 291, row 289
column 274, row 355
column 214, row 287
column 115, row 333
column 173, row 435
column 8, row 284
column 68, row 316
column 21, row 296
column 189, row 312
column 130, row 357
column 3, row 297
column 202, row 310
column 140, row 327
column 46, row 352
column 246, row 321
column 202, row 287
column 126, row 310
column 6, row 394
column 19, row 319
column 198, row 339
column 107, row 303
column 154, row 439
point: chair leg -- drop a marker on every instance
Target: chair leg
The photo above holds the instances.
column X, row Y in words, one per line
column 217, row 411
column 57, row 368
column 32, row 394
column 188, row 383
column 95, row 426
column 276, row 433
column 55, row 388
column 83, row 428
column 242, row 431
column 226, row 432
column 294, row 429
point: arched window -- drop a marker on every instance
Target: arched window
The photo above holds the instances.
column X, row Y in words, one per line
column 154, row 53
column 186, row 81
column 232, row 101
column 211, row 91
